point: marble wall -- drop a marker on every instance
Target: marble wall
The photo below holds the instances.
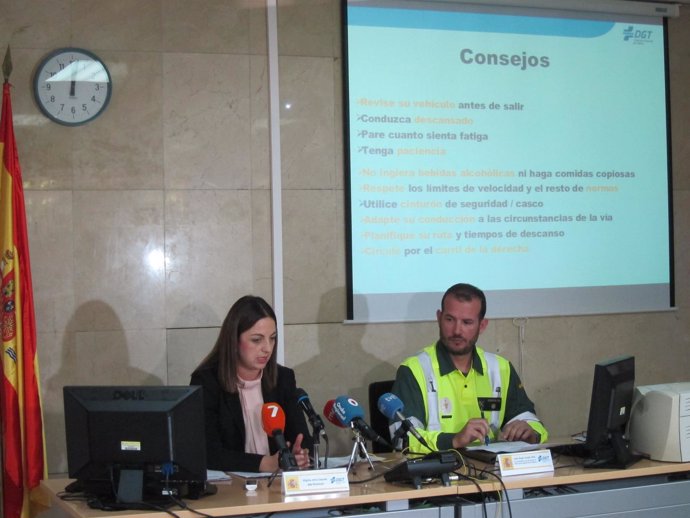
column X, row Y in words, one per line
column 147, row 223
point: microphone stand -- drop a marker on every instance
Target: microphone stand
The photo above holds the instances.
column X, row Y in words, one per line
column 316, row 432
column 359, row 447
column 399, row 435
column 272, row 477
column 286, row 462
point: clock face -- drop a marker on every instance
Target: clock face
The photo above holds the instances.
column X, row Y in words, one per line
column 72, row 86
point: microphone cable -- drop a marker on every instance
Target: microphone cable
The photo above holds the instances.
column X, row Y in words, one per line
column 186, row 507
column 480, row 491
column 505, row 490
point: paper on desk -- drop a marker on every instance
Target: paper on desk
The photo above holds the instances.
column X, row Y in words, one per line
column 506, row 447
column 215, row 475
column 333, row 462
column 252, row 474
column 342, row 462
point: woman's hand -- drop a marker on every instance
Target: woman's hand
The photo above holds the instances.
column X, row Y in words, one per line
column 301, row 454
column 270, row 463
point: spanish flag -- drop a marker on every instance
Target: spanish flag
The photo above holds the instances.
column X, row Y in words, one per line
column 23, row 452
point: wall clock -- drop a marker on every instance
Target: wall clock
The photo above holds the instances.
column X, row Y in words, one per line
column 72, row 86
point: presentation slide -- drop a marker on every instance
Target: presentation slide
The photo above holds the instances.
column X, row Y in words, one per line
column 526, row 154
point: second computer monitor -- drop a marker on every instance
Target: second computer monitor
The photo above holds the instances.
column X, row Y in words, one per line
column 609, row 412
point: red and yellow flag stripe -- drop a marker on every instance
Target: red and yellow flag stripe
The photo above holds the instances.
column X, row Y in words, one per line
column 23, row 450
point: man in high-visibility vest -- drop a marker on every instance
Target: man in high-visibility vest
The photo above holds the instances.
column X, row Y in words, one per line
column 457, row 394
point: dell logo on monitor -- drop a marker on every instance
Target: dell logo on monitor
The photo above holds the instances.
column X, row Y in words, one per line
column 129, row 394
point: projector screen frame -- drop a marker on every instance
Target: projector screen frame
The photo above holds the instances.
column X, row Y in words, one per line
column 419, row 305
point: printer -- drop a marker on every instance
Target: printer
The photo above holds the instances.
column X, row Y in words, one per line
column 659, row 425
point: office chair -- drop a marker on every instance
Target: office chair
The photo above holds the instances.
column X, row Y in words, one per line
column 378, row 421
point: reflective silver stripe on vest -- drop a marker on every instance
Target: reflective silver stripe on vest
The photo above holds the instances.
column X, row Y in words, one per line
column 495, row 380
column 433, row 423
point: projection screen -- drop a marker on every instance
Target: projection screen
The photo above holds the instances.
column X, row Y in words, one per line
column 524, row 151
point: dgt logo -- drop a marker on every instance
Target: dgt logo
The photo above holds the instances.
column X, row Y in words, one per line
column 630, row 33
column 132, row 395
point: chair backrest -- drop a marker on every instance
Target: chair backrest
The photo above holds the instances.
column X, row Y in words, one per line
column 377, row 420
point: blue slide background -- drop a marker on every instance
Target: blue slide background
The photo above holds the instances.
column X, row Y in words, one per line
column 599, row 105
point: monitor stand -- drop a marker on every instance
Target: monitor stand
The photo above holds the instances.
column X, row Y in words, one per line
column 130, row 488
column 617, row 456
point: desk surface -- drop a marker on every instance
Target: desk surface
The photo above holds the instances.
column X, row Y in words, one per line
column 232, row 499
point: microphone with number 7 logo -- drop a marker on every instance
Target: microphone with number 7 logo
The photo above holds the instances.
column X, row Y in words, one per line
column 273, row 422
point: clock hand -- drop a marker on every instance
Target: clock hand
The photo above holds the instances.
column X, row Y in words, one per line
column 73, row 82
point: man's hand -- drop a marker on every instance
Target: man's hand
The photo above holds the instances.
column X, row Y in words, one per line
column 519, row 431
column 474, row 430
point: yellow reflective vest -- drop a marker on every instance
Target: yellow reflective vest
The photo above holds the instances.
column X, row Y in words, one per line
column 443, row 402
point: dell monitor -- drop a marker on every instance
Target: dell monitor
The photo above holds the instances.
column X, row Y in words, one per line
column 135, row 447
column 609, row 412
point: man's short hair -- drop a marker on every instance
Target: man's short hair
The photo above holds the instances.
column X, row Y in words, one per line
column 467, row 293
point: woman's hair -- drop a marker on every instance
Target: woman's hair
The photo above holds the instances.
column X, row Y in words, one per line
column 243, row 314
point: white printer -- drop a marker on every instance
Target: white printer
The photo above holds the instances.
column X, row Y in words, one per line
column 659, row 423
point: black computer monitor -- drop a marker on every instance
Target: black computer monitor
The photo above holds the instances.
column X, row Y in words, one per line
column 136, row 444
column 609, row 412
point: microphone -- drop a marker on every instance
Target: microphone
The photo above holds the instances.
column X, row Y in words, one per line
column 351, row 414
column 391, row 406
column 329, row 413
column 273, row 422
column 314, row 418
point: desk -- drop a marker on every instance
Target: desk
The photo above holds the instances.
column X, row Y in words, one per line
column 645, row 489
column 645, row 485
column 232, row 499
